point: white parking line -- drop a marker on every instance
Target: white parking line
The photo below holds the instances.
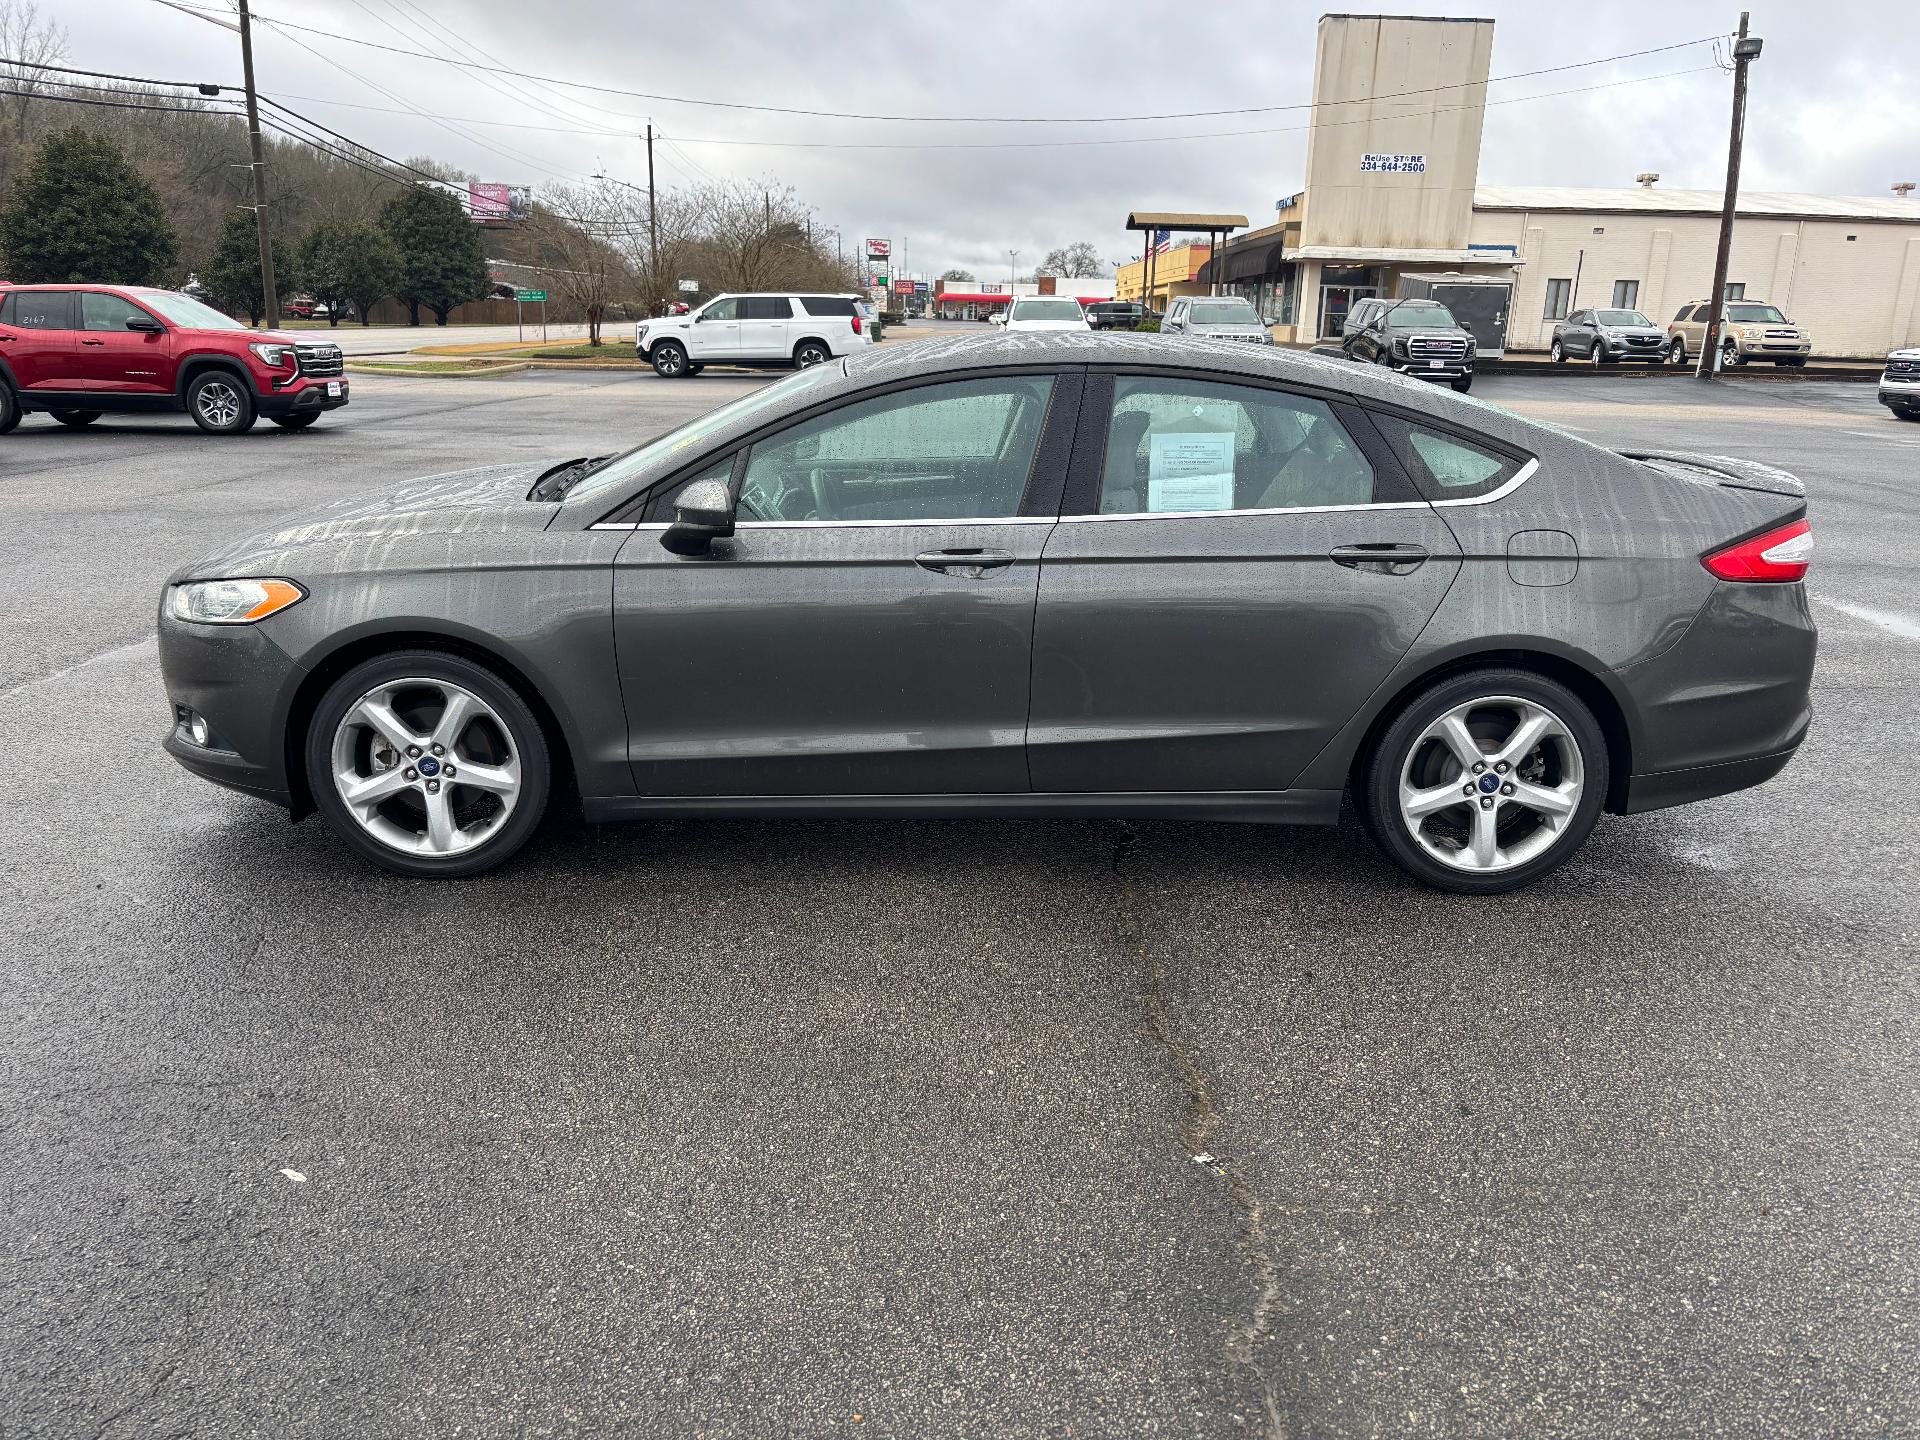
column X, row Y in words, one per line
column 1894, row 435
column 1904, row 626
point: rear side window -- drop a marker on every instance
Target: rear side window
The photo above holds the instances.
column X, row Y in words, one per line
column 41, row 310
column 107, row 312
column 1444, row 466
column 766, row 307
column 828, row 305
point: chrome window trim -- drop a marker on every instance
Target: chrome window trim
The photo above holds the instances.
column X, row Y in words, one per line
column 834, row 524
column 1232, row 514
column 1524, row 474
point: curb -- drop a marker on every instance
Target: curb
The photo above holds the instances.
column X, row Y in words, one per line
column 486, row 373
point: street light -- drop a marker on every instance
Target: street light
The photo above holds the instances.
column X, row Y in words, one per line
column 1012, row 255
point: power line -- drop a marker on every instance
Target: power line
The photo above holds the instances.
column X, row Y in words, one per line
column 963, row 119
column 58, row 99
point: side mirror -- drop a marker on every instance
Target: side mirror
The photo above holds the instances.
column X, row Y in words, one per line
column 702, row 514
column 145, row 323
column 1467, row 326
column 997, row 318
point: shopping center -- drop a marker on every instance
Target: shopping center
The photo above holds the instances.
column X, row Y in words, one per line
column 1393, row 192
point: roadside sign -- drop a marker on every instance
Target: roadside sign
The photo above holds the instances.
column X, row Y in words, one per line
column 879, row 249
column 529, row 296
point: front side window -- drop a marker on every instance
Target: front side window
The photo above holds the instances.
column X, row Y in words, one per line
column 728, row 309
column 41, row 310
column 1626, row 294
column 1443, row 466
column 107, row 312
column 955, row 451
column 1701, row 314
column 1559, row 295
column 1177, row 447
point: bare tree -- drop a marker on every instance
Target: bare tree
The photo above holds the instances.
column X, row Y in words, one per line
column 1072, row 262
column 24, row 37
column 579, row 237
column 756, row 235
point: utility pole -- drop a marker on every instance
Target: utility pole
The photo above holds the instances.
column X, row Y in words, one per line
column 653, row 221
column 259, row 168
column 1745, row 49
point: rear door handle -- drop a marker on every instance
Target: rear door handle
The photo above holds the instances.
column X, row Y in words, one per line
column 1385, row 557
column 966, row 564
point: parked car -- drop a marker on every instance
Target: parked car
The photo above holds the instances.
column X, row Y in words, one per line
column 1607, row 337
column 1749, row 330
column 785, row 330
column 1417, row 337
column 1046, row 312
column 301, row 307
column 829, row 597
column 1115, row 314
column 1900, row 384
column 1215, row 317
column 77, row 352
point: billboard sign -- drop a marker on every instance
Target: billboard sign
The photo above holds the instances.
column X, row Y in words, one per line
column 903, row 287
column 879, row 249
column 488, row 202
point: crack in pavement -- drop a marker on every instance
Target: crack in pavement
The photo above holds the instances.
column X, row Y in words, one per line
column 1200, row 1122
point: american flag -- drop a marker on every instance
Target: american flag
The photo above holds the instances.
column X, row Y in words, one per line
column 1162, row 241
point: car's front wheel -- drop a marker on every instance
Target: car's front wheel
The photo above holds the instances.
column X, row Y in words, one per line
column 1486, row 781
column 1462, row 385
column 428, row 764
column 1730, row 357
column 219, row 403
column 1677, row 352
column 1556, row 354
column 76, row 419
column 669, row 360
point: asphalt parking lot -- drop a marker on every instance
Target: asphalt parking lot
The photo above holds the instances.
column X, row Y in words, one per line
column 959, row 1128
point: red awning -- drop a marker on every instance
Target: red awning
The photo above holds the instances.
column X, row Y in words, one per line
column 971, row 299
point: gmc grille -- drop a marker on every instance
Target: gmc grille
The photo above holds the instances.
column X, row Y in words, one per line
column 1437, row 347
column 320, row 361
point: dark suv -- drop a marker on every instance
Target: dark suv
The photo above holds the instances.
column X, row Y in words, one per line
column 82, row 351
column 1417, row 337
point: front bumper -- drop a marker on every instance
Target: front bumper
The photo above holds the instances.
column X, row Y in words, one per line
column 1778, row 350
column 302, row 396
column 1653, row 352
column 1900, row 394
column 238, row 682
column 1433, row 369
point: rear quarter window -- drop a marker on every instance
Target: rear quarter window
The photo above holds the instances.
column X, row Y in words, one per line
column 827, row 305
column 1446, row 466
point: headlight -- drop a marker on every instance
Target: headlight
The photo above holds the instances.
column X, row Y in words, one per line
column 274, row 353
column 232, row 602
column 1399, row 345
column 639, row 334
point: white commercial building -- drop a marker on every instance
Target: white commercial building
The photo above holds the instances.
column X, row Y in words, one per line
column 1393, row 202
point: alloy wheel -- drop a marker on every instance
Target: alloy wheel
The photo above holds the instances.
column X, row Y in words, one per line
column 219, row 404
column 670, row 360
column 1491, row 784
column 1556, row 354
column 426, row 767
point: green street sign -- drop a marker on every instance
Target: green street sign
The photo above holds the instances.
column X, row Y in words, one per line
column 530, row 295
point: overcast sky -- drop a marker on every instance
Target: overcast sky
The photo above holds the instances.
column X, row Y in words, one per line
column 1832, row 107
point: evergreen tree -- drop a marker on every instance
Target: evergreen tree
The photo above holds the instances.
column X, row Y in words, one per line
column 343, row 262
column 441, row 262
column 82, row 215
column 232, row 276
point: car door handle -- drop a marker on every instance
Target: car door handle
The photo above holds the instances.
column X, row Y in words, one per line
column 1384, row 557
column 968, row 564
column 93, row 342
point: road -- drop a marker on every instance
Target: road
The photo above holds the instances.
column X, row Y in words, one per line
column 1021, row 1129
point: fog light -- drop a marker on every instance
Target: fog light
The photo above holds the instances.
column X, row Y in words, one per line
column 192, row 725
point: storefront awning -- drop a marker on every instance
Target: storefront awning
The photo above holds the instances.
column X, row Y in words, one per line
column 1253, row 261
column 1391, row 255
column 969, row 298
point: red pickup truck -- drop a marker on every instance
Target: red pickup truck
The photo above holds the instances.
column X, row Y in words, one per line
column 77, row 352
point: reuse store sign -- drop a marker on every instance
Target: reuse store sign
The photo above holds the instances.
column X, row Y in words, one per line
column 1393, row 164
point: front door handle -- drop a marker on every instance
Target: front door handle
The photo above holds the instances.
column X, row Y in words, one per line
column 965, row 564
column 93, row 342
column 1385, row 557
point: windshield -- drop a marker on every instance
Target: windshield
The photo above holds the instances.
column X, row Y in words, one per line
column 1755, row 315
column 187, row 312
column 1223, row 312
column 1048, row 310
column 1420, row 317
column 1621, row 317
column 695, row 433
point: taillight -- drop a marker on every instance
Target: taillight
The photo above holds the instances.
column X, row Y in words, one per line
column 856, row 324
column 1781, row 554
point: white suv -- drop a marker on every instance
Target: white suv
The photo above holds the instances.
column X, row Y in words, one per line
column 787, row 329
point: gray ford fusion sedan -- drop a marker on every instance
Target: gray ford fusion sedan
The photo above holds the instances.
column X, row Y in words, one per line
column 1073, row 574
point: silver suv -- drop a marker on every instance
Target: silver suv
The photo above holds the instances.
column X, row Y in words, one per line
column 1215, row 317
column 785, row 330
column 1749, row 330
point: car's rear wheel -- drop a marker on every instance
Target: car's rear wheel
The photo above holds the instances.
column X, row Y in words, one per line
column 693, row 370
column 9, row 408
column 428, row 764
column 219, row 403
column 295, row 422
column 669, row 360
column 1486, row 781
column 809, row 353
column 75, row 419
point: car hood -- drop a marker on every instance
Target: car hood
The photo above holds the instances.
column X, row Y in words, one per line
column 356, row 532
column 1649, row 332
column 1912, row 354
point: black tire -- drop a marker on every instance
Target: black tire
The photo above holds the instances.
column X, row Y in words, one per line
column 693, row 370
column 1902, row 414
column 76, row 419
column 1557, row 353
column 1677, row 352
column 809, row 353
column 1730, row 356
column 1462, row 385
column 221, row 403
column 9, row 408
column 523, row 734
column 1596, row 354
column 1378, row 779
column 669, row 360
column 295, row 422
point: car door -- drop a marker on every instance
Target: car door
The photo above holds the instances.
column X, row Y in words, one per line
column 1237, row 567
column 868, row 629
column 1576, row 338
column 115, row 359
column 764, row 320
column 715, row 331
column 37, row 338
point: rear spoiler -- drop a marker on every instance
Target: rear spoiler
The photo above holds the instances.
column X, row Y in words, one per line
column 1733, row 473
